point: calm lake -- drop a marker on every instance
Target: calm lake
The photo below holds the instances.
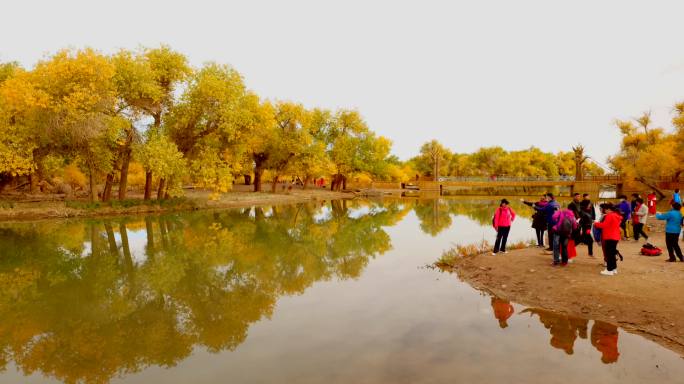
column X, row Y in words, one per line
column 332, row 292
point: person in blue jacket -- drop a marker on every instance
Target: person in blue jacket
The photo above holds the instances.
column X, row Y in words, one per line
column 676, row 198
column 673, row 226
column 549, row 209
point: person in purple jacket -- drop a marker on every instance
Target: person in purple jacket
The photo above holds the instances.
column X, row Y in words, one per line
column 626, row 211
column 549, row 209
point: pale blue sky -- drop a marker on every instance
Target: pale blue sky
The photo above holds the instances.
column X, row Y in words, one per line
column 468, row 73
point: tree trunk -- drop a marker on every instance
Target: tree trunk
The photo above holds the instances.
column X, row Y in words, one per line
column 113, row 249
column 168, row 186
column 163, row 233
column 149, row 231
column 651, row 185
column 248, row 179
column 160, row 190
column 38, row 157
column 128, row 260
column 91, row 182
column 274, row 185
column 107, row 192
column 148, row 185
column 258, row 172
column 157, row 119
column 33, row 182
column 123, row 177
column 307, row 179
column 338, row 183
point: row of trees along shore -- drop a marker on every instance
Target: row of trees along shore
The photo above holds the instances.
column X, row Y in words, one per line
column 436, row 160
column 80, row 112
column 147, row 119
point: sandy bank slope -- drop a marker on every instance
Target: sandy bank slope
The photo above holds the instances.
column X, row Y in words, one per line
column 646, row 297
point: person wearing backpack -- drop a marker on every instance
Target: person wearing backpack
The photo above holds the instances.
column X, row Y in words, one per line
column 503, row 217
column 673, row 226
column 610, row 236
column 562, row 231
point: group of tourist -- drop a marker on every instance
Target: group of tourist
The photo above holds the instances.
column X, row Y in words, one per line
column 578, row 224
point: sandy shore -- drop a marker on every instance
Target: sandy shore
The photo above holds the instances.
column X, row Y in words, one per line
column 48, row 207
column 646, row 297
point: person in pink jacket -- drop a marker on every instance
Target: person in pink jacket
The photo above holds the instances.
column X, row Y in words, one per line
column 503, row 217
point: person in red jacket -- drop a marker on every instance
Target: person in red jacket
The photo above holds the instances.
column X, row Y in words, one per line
column 610, row 234
column 503, row 218
column 652, row 201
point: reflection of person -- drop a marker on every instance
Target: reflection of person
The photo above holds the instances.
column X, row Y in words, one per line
column 503, row 218
column 563, row 329
column 604, row 337
column 503, row 310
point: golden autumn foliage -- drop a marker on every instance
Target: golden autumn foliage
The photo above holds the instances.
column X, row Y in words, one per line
column 648, row 153
column 150, row 107
column 74, row 177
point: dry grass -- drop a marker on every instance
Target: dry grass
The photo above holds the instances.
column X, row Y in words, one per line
column 450, row 256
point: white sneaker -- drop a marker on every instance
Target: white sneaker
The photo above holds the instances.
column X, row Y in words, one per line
column 493, row 253
column 606, row 272
column 571, row 260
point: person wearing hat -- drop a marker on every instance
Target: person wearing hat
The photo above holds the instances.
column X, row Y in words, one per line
column 503, row 217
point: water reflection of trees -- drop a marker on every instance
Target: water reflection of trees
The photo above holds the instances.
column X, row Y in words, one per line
column 80, row 304
column 435, row 215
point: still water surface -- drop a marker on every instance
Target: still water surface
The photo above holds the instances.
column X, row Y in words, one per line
column 333, row 292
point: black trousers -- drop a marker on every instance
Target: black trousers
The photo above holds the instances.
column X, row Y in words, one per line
column 540, row 236
column 501, row 238
column 585, row 238
column 610, row 249
column 672, row 243
column 549, row 229
column 639, row 230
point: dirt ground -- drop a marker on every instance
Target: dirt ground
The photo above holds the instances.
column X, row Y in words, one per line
column 646, row 297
